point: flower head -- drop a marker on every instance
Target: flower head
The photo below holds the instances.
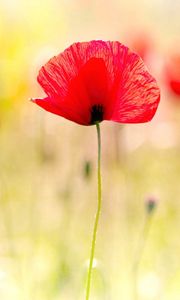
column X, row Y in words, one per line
column 94, row 81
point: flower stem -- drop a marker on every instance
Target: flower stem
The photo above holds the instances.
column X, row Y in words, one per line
column 97, row 215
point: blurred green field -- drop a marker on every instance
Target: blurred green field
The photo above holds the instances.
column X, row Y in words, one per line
column 48, row 206
column 48, row 197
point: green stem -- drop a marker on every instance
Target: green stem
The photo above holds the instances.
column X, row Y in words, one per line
column 97, row 215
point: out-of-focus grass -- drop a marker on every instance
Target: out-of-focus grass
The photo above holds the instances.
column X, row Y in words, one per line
column 48, row 206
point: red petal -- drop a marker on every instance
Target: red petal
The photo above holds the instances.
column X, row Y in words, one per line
column 137, row 94
column 88, row 88
column 51, row 106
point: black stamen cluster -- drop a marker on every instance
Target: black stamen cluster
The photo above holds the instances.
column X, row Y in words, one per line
column 97, row 113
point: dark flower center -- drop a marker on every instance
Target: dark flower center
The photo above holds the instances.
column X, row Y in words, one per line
column 97, row 112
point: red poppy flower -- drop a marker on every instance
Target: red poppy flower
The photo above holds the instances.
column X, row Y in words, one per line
column 94, row 81
column 173, row 74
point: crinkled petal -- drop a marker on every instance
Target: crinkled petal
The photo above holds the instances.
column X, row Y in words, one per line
column 137, row 94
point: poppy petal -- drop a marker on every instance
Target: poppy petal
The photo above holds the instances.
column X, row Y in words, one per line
column 89, row 87
column 49, row 105
column 137, row 93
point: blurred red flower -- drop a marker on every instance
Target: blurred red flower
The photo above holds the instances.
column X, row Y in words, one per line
column 173, row 73
column 94, row 81
column 141, row 43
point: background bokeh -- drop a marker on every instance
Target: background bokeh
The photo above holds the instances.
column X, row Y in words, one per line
column 48, row 165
